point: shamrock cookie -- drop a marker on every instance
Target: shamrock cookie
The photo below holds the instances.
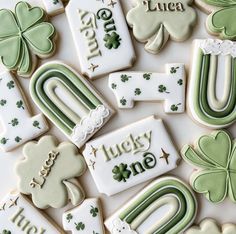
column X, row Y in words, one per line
column 53, row 7
column 18, row 216
column 18, row 124
column 23, row 35
column 69, row 101
column 142, row 213
column 221, row 21
column 146, row 86
column 215, row 158
column 100, row 33
column 85, row 219
column 130, row 155
column 210, row 226
column 153, row 22
column 212, row 94
column 49, row 169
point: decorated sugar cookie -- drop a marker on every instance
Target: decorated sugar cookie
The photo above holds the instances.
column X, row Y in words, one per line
column 18, row 216
column 208, row 226
column 140, row 214
column 155, row 21
column 24, row 34
column 18, row 124
column 53, row 7
column 221, row 21
column 100, row 33
column 215, row 157
column 69, row 101
column 85, row 219
column 49, row 170
column 130, row 155
column 211, row 98
column 147, row 86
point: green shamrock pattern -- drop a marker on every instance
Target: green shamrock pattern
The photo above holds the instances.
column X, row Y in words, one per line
column 36, row 124
column 147, row 76
column 180, row 82
column 5, row 231
column 175, row 107
column 69, row 217
column 215, row 158
column 123, row 101
column 121, row 173
column 137, row 91
column 55, row 2
column 11, row 84
column 20, row 104
column 3, row 102
column 173, row 70
column 79, row 226
column 162, row 89
column 14, row 122
column 125, row 78
column 112, row 40
column 113, row 86
column 94, row 211
column 20, row 39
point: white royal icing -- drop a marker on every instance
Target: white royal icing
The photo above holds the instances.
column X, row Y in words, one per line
column 53, row 7
column 120, row 227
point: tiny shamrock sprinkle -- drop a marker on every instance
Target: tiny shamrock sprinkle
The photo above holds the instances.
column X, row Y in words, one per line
column 175, row 107
column 180, row 82
column 14, row 122
column 173, row 70
column 125, row 78
column 6, row 231
column 147, row 76
column 137, row 91
column 18, row 139
column 121, row 173
column 123, row 101
column 3, row 141
column 112, row 40
column 20, row 104
column 94, row 211
column 3, row 102
column 11, row 84
column 79, row 226
column 36, row 124
column 55, row 2
column 113, row 86
column 69, row 217
column 162, row 89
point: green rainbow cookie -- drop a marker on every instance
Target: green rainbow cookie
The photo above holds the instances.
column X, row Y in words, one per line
column 23, row 35
column 169, row 191
column 212, row 93
column 69, row 101
column 215, row 158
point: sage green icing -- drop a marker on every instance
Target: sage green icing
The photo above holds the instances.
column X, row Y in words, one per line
column 220, row 3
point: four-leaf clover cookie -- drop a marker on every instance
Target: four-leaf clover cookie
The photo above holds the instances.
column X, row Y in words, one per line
column 215, row 158
column 48, row 173
column 153, row 22
column 23, row 35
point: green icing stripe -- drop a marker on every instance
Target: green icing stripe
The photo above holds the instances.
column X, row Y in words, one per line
column 200, row 100
column 182, row 218
column 70, row 80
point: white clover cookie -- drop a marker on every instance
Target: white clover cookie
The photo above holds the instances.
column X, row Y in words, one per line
column 49, row 170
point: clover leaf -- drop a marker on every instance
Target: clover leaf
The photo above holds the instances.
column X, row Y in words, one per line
column 5, row 231
column 147, row 76
column 112, row 40
column 137, row 91
column 121, row 173
column 23, row 35
column 79, row 226
column 69, row 217
column 162, row 89
column 94, row 211
column 123, row 101
column 125, row 78
column 215, row 158
column 20, row 104
column 175, row 107
column 14, row 122
column 3, row 102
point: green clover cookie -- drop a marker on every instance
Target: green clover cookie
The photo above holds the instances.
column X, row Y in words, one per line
column 23, row 35
column 215, row 158
column 47, row 173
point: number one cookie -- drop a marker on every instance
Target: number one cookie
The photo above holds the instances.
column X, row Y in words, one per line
column 69, row 102
column 139, row 86
column 19, row 126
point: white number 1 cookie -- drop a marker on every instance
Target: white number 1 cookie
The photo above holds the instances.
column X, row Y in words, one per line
column 140, row 86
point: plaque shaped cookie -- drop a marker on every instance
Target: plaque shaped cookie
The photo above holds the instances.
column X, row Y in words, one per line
column 130, row 155
column 211, row 93
column 169, row 87
column 69, row 101
column 25, row 34
column 142, row 213
column 100, row 35
column 154, row 22
column 18, row 215
column 86, row 218
column 48, row 173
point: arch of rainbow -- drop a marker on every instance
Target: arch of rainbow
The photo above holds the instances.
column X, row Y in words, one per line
column 204, row 105
column 67, row 100
column 165, row 191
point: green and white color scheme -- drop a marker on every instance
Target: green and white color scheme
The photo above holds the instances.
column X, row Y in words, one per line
column 131, row 155
column 85, row 219
column 212, row 93
column 48, row 171
column 24, row 34
column 214, row 156
column 18, row 124
column 100, row 35
column 19, row 216
column 165, row 206
column 53, row 7
column 69, row 101
column 169, row 87
column 208, row 226
column 155, row 21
